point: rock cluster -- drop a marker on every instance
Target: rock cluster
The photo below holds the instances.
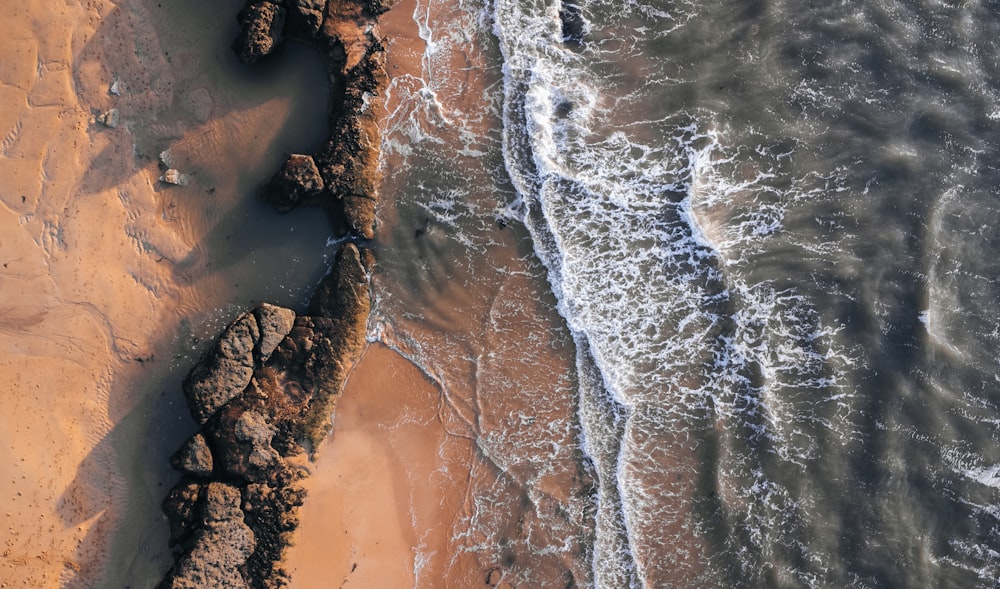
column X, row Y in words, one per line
column 263, row 394
column 265, row 391
column 343, row 175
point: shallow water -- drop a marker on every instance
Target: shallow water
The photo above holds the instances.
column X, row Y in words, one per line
column 768, row 229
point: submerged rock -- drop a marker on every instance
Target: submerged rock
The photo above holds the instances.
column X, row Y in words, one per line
column 573, row 24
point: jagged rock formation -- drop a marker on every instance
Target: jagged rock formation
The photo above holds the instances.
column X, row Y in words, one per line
column 265, row 392
column 298, row 180
column 346, row 175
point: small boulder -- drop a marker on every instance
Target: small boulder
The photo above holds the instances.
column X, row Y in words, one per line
column 110, row 119
column 194, row 457
column 261, row 32
column 172, row 176
column 299, row 179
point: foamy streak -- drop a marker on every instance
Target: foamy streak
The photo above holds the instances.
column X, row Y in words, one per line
column 643, row 244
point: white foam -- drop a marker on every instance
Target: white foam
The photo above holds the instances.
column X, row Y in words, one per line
column 651, row 286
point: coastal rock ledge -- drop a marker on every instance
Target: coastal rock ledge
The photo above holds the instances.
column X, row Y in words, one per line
column 264, row 393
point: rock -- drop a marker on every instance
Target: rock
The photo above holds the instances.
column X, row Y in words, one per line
column 274, row 323
column 180, row 507
column 225, row 370
column 194, row 457
column 220, row 547
column 305, row 17
column 116, row 88
column 359, row 213
column 298, row 180
column 262, row 25
column 242, row 439
column 110, row 119
column 172, row 176
column 349, row 162
column 343, row 294
column 573, row 24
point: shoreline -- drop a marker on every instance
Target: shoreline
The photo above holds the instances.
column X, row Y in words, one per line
column 383, row 492
column 265, row 392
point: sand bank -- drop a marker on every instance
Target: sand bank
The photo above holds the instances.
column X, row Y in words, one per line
column 110, row 280
column 388, row 484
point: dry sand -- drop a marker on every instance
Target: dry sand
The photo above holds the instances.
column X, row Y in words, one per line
column 107, row 276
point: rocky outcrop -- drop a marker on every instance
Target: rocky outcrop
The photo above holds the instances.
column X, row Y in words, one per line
column 342, row 176
column 263, row 394
column 276, row 379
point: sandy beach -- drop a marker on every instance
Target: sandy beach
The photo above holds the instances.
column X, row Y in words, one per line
column 387, row 486
column 114, row 282
column 111, row 281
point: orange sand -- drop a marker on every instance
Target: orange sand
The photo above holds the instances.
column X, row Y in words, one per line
column 100, row 262
column 387, row 485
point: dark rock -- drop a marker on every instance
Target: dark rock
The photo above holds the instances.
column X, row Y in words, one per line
column 194, row 457
column 220, row 546
column 274, row 323
column 180, row 507
column 225, row 370
column 573, row 24
column 305, row 17
column 262, row 25
column 298, row 180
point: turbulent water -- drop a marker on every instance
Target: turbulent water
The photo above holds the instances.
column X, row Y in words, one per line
column 769, row 229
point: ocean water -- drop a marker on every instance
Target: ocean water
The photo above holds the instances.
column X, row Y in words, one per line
column 752, row 245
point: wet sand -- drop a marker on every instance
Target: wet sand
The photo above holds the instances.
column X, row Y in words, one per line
column 471, row 480
column 391, row 479
column 388, row 484
column 110, row 281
